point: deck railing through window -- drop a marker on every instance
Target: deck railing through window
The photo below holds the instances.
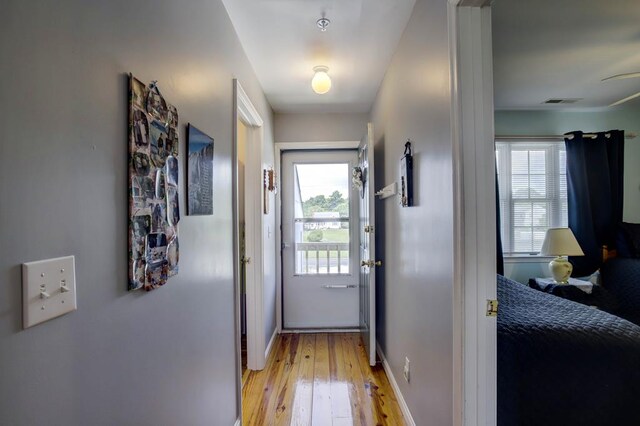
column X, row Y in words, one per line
column 322, row 246
column 322, row 258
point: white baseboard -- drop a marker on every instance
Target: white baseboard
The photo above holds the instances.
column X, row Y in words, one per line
column 394, row 384
column 270, row 345
column 237, row 423
column 319, row 330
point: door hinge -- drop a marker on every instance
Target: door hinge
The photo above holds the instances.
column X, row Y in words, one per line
column 371, row 263
column 492, row 308
column 368, row 229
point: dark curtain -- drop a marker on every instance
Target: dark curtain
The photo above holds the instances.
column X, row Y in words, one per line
column 595, row 194
column 500, row 256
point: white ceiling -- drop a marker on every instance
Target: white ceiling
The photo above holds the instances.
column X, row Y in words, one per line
column 283, row 44
column 562, row 49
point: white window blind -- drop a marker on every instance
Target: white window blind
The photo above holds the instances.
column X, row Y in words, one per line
column 533, row 193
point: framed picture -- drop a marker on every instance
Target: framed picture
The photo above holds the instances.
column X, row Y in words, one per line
column 199, row 172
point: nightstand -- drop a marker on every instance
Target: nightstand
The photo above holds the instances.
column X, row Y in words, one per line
column 577, row 290
column 543, row 283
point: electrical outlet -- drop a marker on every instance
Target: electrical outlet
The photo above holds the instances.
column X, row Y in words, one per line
column 407, row 369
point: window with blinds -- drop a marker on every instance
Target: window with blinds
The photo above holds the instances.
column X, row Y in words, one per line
column 533, row 193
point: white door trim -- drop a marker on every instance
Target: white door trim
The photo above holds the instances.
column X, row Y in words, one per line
column 279, row 148
column 475, row 369
column 306, row 304
column 244, row 111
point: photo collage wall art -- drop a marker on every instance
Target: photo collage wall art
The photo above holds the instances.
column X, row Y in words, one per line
column 154, row 210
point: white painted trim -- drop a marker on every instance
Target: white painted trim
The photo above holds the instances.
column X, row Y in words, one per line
column 458, row 299
column 236, row 253
column 288, row 146
column 475, row 370
column 254, row 249
column 237, row 423
column 470, row 3
column 396, row 389
column 528, row 259
column 244, row 111
column 278, row 232
column 247, row 112
column 270, row 345
column 279, row 148
column 319, row 330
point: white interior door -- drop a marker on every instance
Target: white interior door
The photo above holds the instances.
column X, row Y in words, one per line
column 367, row 246
column 319, row 240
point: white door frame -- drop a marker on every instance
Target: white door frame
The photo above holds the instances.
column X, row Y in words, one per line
column 475, row 369
column 279, row 148
column 309, row 306
column 245, row 112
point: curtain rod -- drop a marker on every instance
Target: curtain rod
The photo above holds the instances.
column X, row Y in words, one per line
column 629, row 135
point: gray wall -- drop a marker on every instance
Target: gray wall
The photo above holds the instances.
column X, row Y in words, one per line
column 415, row 285
column 559, row 122
column 269, row 244
column 161, row 358
column 319, row 127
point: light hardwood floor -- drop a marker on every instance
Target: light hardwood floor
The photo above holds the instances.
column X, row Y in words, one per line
column 321, row 380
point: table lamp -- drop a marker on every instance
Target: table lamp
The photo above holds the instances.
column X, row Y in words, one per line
column 560, row 242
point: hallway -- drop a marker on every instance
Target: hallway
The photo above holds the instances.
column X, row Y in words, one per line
column 319, row 379
column 277, row 76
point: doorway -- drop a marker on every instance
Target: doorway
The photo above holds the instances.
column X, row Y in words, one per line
column 320, row 240
column 248, row 237
column 241, row 148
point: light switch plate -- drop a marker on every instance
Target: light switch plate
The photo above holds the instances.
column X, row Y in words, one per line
column 48, row 289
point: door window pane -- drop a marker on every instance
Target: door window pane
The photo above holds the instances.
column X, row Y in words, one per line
column 321, row 219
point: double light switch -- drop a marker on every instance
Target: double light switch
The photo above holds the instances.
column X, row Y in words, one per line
column 48, row 289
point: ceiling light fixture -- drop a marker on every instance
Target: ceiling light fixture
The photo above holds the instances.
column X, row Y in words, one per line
column 323, row 23
column 321, row 82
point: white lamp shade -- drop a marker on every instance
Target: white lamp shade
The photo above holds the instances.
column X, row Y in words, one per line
column 321, row 82
column 560, row 242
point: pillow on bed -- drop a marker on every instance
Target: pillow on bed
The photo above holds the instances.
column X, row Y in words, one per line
column 631, row 233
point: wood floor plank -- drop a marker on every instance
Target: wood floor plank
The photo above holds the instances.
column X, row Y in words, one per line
column 301, row 408
column 253, row 380
column 245, row 377
column 321, row 409
column 385, row 408
column 287, row 383
column 259, row 410
column 342, row 422
column 360, row 403
column 340, row 403
column 320, row 380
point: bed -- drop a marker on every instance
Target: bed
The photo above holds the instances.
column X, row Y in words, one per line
column 621, row 278
column 563, row 363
